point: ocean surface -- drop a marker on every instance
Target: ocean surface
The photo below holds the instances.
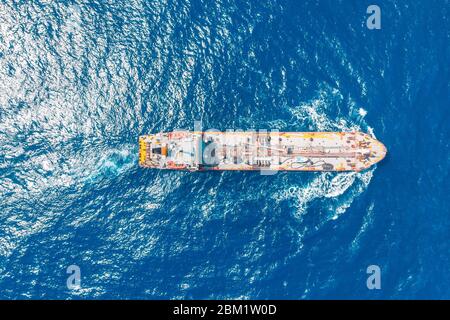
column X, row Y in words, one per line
column 81, row 80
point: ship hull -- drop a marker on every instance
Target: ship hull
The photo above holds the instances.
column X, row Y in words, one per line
column 250, row 151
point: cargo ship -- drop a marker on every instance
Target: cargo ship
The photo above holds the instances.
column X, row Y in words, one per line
column 280, row 151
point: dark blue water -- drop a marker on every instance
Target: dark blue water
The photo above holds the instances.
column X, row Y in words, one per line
column 81, row 80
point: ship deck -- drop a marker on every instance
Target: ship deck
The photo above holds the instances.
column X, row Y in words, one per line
column 303, row 151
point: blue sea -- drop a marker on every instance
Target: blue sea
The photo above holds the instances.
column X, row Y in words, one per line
column 81, row 80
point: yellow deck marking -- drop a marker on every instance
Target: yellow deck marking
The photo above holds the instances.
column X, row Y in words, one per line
column 142, row 151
